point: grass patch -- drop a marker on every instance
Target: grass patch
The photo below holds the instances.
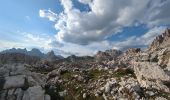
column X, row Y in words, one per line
column 95, row 74
column 124, row 72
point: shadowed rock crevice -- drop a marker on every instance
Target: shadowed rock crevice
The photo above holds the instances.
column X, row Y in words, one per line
column 2, row 82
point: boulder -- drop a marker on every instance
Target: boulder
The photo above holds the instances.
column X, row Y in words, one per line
column 19, row 93
column 34, row 93
column 14, row 82
column 47, row 97
column 84, row 95
column 151, row 75
column 160, row 98
column 63, row 93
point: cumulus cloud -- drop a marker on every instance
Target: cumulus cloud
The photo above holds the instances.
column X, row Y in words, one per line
column 86, row 32
column 142, row 41
column 105, row 18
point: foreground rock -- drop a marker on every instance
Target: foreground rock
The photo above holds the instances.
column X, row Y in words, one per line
column 150, row 75
column 21, row 84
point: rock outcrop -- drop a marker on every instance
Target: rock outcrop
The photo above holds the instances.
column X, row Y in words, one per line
column 21, row 84
column 161, row 41
column 107, row 55
column 150, row 75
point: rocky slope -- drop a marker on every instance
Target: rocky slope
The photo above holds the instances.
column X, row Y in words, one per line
column 109, row 75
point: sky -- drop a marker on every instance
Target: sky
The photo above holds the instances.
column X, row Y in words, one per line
column 81, row 27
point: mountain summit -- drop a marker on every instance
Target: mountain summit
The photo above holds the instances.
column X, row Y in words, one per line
column 161, row 41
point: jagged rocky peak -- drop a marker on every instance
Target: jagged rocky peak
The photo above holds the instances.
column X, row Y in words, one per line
column 133, row 50
column 107, row 55
column 14, row 50
column 111, row 52
column 161, row 40
column 51, row 53
column 36, row 52
column 50, row 56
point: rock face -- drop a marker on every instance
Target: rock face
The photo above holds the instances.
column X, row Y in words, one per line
column 14, row 82
column 34, row 93
column 21, row 84
column 151, row 75
column 107, row 55
column 161, row 41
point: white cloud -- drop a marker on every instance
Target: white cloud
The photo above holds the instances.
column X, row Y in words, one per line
column 142, row 41
column 83, row 33
column 85, row 1
column 48, row 14
column 106, row 17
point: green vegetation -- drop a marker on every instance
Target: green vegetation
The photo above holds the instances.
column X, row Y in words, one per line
column 96, row 74
column 124, row 72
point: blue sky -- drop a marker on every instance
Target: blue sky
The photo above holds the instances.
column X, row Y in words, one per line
column 23, row 15
column 81, row 27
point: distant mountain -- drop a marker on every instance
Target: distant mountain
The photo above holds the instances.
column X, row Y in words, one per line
column 14, row 54
column 10, row 57
column 107, row 55
column 14, row 50
column 50, row 56
column 36, row 52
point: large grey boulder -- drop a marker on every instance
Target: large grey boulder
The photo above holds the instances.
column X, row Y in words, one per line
column 150, row 75
column 14, row 82
column 34, row 93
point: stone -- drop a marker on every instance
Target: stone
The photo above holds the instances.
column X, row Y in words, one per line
column 84, row 95
column 14, row 82
column 107, row 87
column 104, row 96
column 160, row 98
column 63, row 93
column 18, row 70
column 53, row 73
column 47, row 97
column 150, row 74
column 34, row 93
column 150, row 93
column 4, row 72
column 19, row 93
column 168, row 65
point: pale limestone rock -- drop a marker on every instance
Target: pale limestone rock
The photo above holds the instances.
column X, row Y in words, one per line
column 151, row 75
column 168, row 65
column 107, row 87
column 34, row 93
column 63, row 93
column 84, row 95
column 104, row 96
column 160, row 98
column 14, row 82
column 19, row 93
column 47, row 97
